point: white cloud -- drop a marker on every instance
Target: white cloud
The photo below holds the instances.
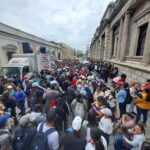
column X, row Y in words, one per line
column 71, row 21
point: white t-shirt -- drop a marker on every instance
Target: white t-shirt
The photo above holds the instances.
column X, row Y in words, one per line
column 106, row 125
column 90, row 146
column 53, row 138
column 136, row 142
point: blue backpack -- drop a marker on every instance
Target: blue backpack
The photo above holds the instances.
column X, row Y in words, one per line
column 40, row 141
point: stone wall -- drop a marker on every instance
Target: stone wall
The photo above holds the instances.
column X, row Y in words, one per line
column 134, row 74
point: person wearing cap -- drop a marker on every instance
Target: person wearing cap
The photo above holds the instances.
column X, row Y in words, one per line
column 74, row 139
column 5, row 135
column 11, row 88
column 147, row 85
column 105, row 124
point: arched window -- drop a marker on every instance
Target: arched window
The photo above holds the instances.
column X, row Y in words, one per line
column 10, row 49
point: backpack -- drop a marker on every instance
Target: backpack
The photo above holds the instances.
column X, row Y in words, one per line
column 128, row 99
column 79, row 110
column 40, row 141
column 2, row 133
column 21, row 139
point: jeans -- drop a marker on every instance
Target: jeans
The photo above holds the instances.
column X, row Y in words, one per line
column 21, row 106
column 122, row 108
column 119, row 141
column 31, row 104
column 131, row 107
column 140, row 112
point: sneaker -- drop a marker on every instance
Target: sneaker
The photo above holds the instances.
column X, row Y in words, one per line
column 144, row 125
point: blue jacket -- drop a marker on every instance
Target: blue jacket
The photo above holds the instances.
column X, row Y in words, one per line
column 121, row 96
column 20, row 96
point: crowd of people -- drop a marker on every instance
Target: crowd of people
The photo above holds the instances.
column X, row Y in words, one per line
column 74, row 107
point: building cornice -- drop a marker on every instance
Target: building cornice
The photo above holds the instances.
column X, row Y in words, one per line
column 18, row 33
column 23, row 39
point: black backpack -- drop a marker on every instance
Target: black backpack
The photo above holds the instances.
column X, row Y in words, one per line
column 128, row 99
column 40, row 141
column 21, row 139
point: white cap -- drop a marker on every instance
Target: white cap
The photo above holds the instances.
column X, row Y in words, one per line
column 106, row 111
column 9, row 86
column 76, row 124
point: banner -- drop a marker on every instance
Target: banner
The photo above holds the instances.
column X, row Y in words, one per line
column 45, row 61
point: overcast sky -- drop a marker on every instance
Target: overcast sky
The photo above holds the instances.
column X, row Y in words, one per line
column 70, row 21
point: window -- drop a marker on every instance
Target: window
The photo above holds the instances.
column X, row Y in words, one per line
column 141, row 40
column 9, row 55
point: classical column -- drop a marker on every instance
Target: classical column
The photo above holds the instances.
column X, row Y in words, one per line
column 99, row 54
column 119, row 39
column 146, row 55
column 125, row 36
column 94, row 56
column 96, row 48
column 110, row 44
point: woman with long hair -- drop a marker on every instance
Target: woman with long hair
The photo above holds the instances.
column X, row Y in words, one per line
column 97, row 141
column 90, row 123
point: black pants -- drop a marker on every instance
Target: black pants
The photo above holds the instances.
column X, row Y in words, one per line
column 122, row 108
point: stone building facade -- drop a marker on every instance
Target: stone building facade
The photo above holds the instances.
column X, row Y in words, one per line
column 123, row 38
column 68, row 52
column 11, row 40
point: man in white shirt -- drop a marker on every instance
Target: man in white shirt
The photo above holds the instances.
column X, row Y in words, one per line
column 52, row 138
column 133, row 90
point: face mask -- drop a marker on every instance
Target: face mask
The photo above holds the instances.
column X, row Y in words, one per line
column 96, row 105
column 79, row 86
column 85, row 85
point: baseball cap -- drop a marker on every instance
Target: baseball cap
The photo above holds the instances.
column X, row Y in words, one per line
column 106, row 111
column 9, row 86
column 76, row 124
column 33, row 116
